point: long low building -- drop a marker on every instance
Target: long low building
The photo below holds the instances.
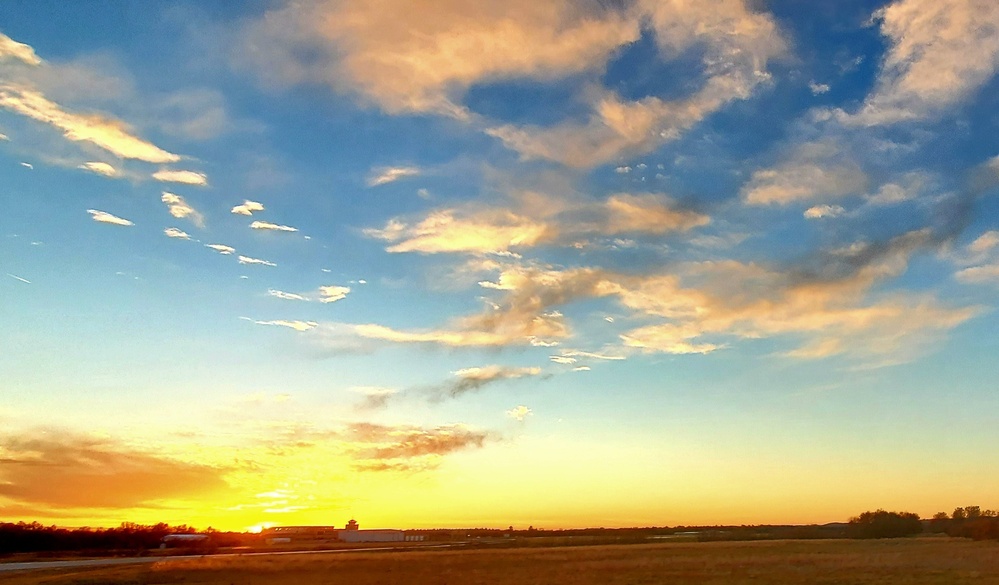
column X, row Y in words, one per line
column 350, row 533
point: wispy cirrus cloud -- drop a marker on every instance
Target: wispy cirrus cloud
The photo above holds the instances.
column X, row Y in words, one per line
column 267, row 226
column 105, row 132
column 247, row 207
column 251, row 260
column 385, row 175
column 817, row 169
column 181, row 209
column 221, row 249
column 408, row 448
column 300, row 326
column 100, row 168
column 286, row 295
column 179, row 234
column 185, row 177
column 105, row 217
column 475, row 378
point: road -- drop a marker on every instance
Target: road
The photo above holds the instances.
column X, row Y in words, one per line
column 81, row 563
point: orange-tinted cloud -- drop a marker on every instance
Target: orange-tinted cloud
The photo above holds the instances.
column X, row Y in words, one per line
column 66, row 471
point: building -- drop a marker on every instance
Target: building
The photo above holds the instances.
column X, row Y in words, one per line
column 350, row 533
column 353, row 533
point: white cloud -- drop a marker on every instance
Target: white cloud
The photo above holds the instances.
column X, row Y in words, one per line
column 286, row 295
column 180, row 209
column 101, row 168
column 185, row 177
column 264, row 225
column 333, row 293
column 940, row 52
column 16, row 277
column 984, row 242
column 818, row 88
column 385, row 175
column 9, row 48
column 519, row 412
column 247, row 207
column 105, row 217
column 28, row 165
column 979, row 274
column 176, row 233
column 823, row 211
column 296, row 325
column 107, row 133
column 814, row 170
column 4, row 136
column 221, row 248
column 249, row 260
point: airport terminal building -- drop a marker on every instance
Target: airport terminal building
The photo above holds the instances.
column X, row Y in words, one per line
column 350, row 533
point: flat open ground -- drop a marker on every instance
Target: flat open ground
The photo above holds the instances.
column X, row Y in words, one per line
column 918, row 561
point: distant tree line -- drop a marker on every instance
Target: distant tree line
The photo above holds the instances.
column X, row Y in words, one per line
column 129, row 537
column 884, row 524
column 967, row 522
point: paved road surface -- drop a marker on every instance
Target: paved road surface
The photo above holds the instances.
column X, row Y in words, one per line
column 76, row 564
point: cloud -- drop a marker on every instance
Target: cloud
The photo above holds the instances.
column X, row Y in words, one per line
column 263, row 225
column 383, row 175
column 408, row 59
column 985, row 242
column 185, row 177
column 939, row 53
column 176, row 233
column 979, row 274
column 28, row 165
column 60, row 470
column 247, row 207
column 519, row 413
column 408, row 448
column 105, row 217
column 447, row 231
column 16, row 277
column 818, row 88
column 286, row 295
column 545, row 221
column 375, row 398
column 107, row 133
column 4, row 137
column 296, row 325
column 100, row 168
column 249, row 260
column 647, row 213
column 180, row 209
column 221, row 248
column 823, row 211
column 471, row 379
column 9, row 48
column 333, row 293
column 817, row 169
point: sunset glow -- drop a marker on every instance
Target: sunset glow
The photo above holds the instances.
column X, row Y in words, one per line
column 450, row 264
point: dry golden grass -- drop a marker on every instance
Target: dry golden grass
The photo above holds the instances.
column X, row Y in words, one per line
column 925, row 561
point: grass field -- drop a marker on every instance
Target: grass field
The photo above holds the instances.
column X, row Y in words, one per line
column 942, row 561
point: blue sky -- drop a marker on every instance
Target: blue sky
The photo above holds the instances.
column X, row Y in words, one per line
column 293, row 262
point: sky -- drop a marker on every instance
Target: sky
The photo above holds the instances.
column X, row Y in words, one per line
column 451, row 264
